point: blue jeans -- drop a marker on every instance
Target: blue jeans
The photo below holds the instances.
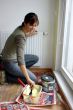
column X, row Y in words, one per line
column 13, row 70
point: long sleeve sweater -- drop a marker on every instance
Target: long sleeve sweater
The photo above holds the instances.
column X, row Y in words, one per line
column 15, row 46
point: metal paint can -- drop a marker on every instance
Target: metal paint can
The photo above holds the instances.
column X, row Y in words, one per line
column 48, row 83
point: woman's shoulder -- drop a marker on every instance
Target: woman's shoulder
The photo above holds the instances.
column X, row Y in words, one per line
column 18, row 32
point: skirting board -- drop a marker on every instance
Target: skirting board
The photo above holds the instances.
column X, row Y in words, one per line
column 67, row 91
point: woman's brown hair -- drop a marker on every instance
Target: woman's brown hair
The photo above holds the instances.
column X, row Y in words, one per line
column 31, row 18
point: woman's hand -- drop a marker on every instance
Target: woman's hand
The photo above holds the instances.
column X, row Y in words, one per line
column 30, row 82
column 32, row 33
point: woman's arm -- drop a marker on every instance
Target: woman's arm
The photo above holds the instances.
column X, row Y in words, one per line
column 20, row 45
column 24, row 71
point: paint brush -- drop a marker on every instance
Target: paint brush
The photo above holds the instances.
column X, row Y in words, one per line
column 21, row 82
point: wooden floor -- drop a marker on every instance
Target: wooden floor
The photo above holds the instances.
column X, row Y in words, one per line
column 53, row 107
column 9, row 92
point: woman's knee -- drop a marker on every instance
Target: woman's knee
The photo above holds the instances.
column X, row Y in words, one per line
column 36, row 58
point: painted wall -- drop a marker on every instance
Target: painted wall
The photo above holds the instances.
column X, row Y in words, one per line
column 12, row 14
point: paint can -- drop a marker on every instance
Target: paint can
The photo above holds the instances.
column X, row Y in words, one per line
column 48, row 82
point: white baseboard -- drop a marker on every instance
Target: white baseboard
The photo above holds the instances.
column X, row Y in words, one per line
column 66, row 89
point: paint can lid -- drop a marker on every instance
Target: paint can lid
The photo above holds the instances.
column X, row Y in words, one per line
column 47, row 78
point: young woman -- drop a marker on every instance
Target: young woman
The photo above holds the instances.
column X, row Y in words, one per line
column 15, row 62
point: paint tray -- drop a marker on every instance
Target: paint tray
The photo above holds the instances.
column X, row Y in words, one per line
column 32, row 95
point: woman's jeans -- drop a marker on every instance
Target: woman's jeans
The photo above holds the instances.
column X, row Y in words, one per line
column 13, row 71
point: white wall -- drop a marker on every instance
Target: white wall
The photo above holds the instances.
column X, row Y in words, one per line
column 60, row 34
column 12, row 13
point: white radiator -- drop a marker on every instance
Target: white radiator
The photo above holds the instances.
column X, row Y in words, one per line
column 37, row 45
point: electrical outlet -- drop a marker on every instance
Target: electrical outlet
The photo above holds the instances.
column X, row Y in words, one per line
column 45, row 33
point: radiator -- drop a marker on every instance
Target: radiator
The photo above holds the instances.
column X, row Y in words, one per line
column 37, row 45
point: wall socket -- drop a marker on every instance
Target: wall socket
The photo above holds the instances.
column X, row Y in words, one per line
column 45, row 33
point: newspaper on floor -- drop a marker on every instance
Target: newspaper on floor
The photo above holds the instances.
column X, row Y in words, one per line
column 13, row 106
column 44, row 99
